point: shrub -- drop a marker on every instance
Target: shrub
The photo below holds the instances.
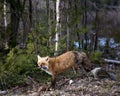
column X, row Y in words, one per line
column 16, row 68
column 19, row 64
column 96, row 57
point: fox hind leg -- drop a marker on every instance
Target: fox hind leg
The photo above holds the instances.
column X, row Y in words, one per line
column 74, row 70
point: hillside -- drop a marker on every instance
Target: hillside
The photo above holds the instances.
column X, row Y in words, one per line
column 79, row 87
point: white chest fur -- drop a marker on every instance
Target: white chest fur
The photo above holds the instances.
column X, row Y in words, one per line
column 47, row 71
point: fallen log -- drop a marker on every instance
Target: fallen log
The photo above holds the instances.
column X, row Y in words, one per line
column 112, row 61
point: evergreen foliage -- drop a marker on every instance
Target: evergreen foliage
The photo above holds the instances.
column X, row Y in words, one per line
column 18, row 65
column 96, row 57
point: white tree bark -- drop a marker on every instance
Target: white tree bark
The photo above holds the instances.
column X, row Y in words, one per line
column 5, row 21
column 57, row 26
column 5, row 18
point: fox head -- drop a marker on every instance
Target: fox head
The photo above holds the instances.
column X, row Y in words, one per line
column 43, row 62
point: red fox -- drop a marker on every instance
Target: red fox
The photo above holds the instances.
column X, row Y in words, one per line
column 56, row 65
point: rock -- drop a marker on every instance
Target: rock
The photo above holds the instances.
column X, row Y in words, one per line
column 34, row 94
column 71, row 81
column 3, row 92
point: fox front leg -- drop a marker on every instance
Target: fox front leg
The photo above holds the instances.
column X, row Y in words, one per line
column 53, row 81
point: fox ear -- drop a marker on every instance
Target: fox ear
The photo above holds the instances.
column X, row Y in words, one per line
column 47, row 58
column 38, row 57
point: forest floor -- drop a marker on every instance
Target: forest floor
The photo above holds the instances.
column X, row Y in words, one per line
column 78, row 87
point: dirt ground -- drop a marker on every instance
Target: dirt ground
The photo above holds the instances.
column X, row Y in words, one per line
column 67, row 87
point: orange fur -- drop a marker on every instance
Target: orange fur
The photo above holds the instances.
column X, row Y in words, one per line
column 56, row 65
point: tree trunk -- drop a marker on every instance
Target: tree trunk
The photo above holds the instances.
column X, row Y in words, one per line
column 68, row 33
column 48, row 22
column 85, row 25
column 5, row 18
column 76, row 23
column 67, row 25
column 57, row 29
column 36, row 33
column 15, row 18
column 96, row 30
column 30, row 12
column 5, row 22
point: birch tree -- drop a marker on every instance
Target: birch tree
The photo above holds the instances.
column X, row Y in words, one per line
column 5, row 18
column 57, row 29
column 5, row 21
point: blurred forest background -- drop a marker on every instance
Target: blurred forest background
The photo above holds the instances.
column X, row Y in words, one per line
column 52, row 27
